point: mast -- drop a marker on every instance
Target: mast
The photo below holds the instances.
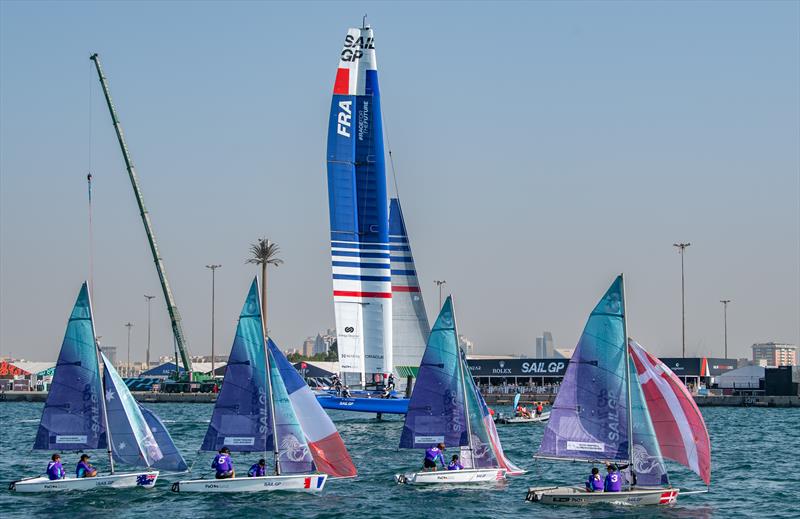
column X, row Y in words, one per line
column 627, row 372
column 102, row 387
column 270, row 402
column 463, row 384
column 172, row 308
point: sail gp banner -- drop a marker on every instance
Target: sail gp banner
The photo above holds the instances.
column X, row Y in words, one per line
column 518, row 367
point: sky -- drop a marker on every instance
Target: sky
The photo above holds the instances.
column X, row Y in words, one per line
column 540, row 150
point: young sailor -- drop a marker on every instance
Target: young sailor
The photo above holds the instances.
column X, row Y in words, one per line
column 54, row 469
column 259, row 469
column 455, row 464
column 593, row 482
column 223, row 464
column 613, row 482
column 84, row 468
column 432, row 455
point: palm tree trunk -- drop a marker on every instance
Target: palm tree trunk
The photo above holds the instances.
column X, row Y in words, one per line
column 264, row 298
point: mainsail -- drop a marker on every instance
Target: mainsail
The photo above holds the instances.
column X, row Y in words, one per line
column 679, row 426
column 322, row 439
column 241, row 420
column 362, row 290
column 72, row 418
column 446, row 405
column 410, row 328
column 132, row 440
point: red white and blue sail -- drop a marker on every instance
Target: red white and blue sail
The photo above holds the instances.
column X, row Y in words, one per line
column 410, row 326
column 362, row 283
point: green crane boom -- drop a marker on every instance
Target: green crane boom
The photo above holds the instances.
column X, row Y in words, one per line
column 172, row 308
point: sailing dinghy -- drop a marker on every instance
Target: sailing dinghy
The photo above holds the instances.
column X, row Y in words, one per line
column 513, row 419
column 446, row 407
column 602, row 415
column 265, row 406
column 86, row 411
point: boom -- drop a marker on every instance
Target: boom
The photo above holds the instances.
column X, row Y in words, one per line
column 172, row 308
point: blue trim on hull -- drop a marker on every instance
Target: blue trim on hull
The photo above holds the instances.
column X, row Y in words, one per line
column 365, row 405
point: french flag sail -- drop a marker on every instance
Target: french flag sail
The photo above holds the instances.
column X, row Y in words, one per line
column 679, row 426
column 410, row 326
column 358, row 208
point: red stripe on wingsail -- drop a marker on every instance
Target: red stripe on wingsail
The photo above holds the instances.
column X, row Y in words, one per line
column 342, row 84
column 348, row 293
column 331, row 457
column 396, row 288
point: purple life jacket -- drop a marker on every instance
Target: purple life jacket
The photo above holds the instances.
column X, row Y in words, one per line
column 257, row 471
column 594, row 483
column 55, row 470
column 222, row 463
column 613, row 482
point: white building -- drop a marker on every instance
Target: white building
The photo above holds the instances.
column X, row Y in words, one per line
column 774, row 354
column 544, row 346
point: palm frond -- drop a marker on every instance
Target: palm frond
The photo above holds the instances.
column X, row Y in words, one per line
column 264, row 252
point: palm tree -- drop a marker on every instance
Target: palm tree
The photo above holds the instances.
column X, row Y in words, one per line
column 264, row 253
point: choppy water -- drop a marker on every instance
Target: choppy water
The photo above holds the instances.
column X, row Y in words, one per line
column 756, row 473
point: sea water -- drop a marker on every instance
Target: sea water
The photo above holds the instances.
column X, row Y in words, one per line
column 755, row 473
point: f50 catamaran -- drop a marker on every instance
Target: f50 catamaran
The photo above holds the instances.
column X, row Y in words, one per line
column 265, row 406
column 446, row 407
column 605, row 413
column 86, row 410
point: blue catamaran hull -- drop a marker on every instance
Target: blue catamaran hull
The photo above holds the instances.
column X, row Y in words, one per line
column 365, row 405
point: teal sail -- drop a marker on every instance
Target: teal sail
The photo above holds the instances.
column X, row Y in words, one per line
column 132, row 441
column 241, row 420
column 72, row 418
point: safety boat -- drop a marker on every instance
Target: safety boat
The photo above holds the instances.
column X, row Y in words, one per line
column 620, row 405
column 87, row 409
column 502, row 418
column 265, row 406
column 446, row 407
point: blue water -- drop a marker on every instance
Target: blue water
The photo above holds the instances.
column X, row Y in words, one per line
column 756, row 473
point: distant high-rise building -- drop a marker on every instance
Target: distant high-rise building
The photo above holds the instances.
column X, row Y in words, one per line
column 467, row 345
column 774, row 354
column 308, row 347
column 544, row 346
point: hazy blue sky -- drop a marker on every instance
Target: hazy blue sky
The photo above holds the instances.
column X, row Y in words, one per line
column 541, row 149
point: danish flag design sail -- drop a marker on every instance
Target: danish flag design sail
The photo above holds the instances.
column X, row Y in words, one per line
column 362, row 283
column 410, row 326
column 679, row 426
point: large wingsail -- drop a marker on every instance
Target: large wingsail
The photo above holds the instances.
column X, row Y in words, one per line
column 323, row 440
column 72, row 418
column 589, row 419
column 410, row 328
column 241, row 419
column 437, row 411
column 679, row 426
column 132, row 440
column 359, row 219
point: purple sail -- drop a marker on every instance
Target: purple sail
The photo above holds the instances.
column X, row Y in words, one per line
column 589, row 419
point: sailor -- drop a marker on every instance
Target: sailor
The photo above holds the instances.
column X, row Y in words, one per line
column 259, row 469
column 455, row 464
column 593, row 482
column 223, row 464
column 539, row 409
column 54, row 469
column 519, row 410
column 390, row 382
column 613, row 482
column 346, row 392
column 84, row 468
column 432, row 455
column 386, row 393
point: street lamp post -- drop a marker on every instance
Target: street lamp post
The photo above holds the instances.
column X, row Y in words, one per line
column 147, row 356
column 682, row 249
column 725, row 322
column 129, row 326
column 213, row 280
column 439, row 283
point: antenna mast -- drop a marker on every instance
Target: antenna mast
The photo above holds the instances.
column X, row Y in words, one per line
column 172, row 308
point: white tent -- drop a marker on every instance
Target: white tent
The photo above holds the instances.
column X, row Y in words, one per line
column 743, row 378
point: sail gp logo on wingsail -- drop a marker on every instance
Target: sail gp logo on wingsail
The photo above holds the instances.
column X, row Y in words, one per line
column 343, row 119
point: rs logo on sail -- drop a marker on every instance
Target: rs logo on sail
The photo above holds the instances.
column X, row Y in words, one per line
column 343, row 119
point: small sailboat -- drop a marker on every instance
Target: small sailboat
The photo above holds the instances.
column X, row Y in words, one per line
column 86, row 411
column 514, row 419
column 446, row 407
column 265, row 406
column 602, row 415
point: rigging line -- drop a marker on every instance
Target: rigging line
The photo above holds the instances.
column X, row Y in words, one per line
column 391, row 157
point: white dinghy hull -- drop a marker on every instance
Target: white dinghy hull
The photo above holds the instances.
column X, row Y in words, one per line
column 451, row 477
column 128, row 480
column 310, row 483
column 518, row 419
column 577, row 496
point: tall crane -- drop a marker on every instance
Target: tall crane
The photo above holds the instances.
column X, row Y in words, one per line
column 172, row 308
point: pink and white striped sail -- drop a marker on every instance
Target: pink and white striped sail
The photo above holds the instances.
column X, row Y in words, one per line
column 679, row 426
